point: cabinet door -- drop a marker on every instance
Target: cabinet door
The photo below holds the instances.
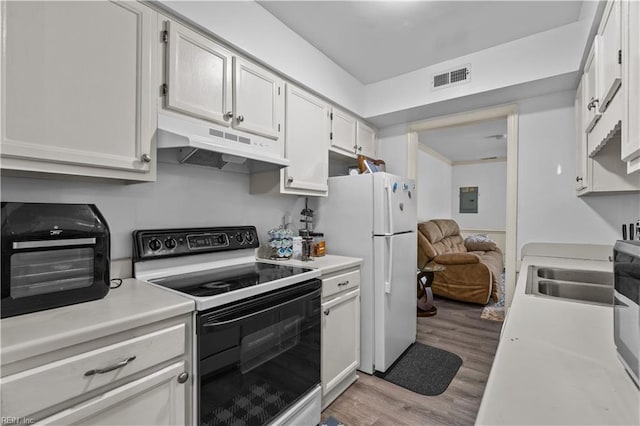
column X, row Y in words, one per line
column 306, row 142
column 156, row 399
column 581, row 142
column 609, row 67
column 198, row 75
column 340, row 339
column 366, row 137
column 631, row 77
column 590, row 88
column 78, row 84
column 343, row 133
column 258, row 101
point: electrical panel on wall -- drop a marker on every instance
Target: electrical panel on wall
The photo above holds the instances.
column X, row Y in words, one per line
column 469, row 199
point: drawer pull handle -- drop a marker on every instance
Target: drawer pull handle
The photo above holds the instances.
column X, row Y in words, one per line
column 111, row 367
column 327, row 312
column 343, row 283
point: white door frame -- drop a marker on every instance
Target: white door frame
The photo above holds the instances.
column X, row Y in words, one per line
column 510, row 112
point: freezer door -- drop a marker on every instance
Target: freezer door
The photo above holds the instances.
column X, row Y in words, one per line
column 394, row 204
column 395, row 297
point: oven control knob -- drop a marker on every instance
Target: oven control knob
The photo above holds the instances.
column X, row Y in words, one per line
column 240, row 238
column 220, row 239
column 155, row 244
column 170, row 243
column 249, row 237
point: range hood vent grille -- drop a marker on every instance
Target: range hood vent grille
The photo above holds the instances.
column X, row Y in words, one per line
column 213, row 146
column 452, row 77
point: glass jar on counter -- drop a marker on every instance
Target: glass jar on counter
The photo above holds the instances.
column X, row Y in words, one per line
column 319, row 246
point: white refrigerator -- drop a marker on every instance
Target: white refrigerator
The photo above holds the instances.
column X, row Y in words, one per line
column 373, row 216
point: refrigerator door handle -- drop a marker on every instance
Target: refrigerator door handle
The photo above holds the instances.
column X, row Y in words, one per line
column 387, row 282
column 389, row 204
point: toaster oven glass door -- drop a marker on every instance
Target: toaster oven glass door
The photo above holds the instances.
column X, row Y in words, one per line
column 49, row 271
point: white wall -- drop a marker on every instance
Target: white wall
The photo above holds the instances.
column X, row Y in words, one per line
column 548, row 209
column 183, row 196
column 393, row 149
column 249, row 27
column 434, row 187
column 491, row 180
column 537, row 57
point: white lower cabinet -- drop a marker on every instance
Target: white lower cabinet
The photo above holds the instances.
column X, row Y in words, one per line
column 340, row 334
column 156, row 399
column 137, row 377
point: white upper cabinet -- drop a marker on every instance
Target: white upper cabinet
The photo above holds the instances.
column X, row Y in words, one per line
column 581, row 143
column 258, row 99
column 198, row 75
column 207, row 81
column 79, row 88
column 609, row 55
column 350, row 136
column 343, row 132
column 630, row 150
column 590, row 88
column 306, row 144
column 366, row 140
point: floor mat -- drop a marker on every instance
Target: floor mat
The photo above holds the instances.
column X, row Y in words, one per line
column 494, row 311
column 331, row 421
column 424, row 369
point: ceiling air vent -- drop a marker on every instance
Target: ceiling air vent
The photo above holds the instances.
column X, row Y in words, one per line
column 451, row 77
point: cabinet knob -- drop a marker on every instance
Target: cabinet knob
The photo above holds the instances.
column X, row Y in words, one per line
column 359, row 148
column 228, row 115
column 146, row 158
column 578, row 178
column 240, row 118
column 327, row 311
column 592, row 104
column 290, row 179
column 183, row 377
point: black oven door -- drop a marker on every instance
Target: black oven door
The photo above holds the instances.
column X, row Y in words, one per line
column 259, row 356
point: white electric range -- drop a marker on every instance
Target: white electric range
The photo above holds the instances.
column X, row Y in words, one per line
column 255, row 323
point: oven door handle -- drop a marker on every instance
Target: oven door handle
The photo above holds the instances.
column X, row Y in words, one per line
column 214, row 323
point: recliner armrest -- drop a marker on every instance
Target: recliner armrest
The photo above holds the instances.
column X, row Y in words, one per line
column 456, row 259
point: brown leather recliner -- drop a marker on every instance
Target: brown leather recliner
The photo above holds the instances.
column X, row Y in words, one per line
column 472, row 274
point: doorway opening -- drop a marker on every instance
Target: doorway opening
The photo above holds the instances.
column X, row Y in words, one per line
column 467, row 152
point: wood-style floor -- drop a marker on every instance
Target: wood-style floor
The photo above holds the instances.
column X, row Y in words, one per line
column 456, row 328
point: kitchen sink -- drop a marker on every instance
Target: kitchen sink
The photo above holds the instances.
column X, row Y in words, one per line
column 576, row 285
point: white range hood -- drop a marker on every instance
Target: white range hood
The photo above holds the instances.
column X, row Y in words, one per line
column 217, row 146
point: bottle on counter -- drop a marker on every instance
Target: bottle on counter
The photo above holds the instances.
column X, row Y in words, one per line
column 319, row 246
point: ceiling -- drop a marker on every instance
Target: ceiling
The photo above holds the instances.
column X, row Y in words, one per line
column 376, row 40
column 469, row 142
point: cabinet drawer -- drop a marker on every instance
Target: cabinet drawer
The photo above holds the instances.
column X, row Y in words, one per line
column 340, row 282
column 33, row 390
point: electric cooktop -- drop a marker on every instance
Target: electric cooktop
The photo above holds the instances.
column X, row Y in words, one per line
column 230, row 278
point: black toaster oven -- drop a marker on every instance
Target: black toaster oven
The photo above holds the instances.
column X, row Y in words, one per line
column 52, row 255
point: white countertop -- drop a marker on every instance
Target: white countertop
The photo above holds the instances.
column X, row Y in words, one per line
column 133, row 304
column 327, row 264
column 556, row 362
